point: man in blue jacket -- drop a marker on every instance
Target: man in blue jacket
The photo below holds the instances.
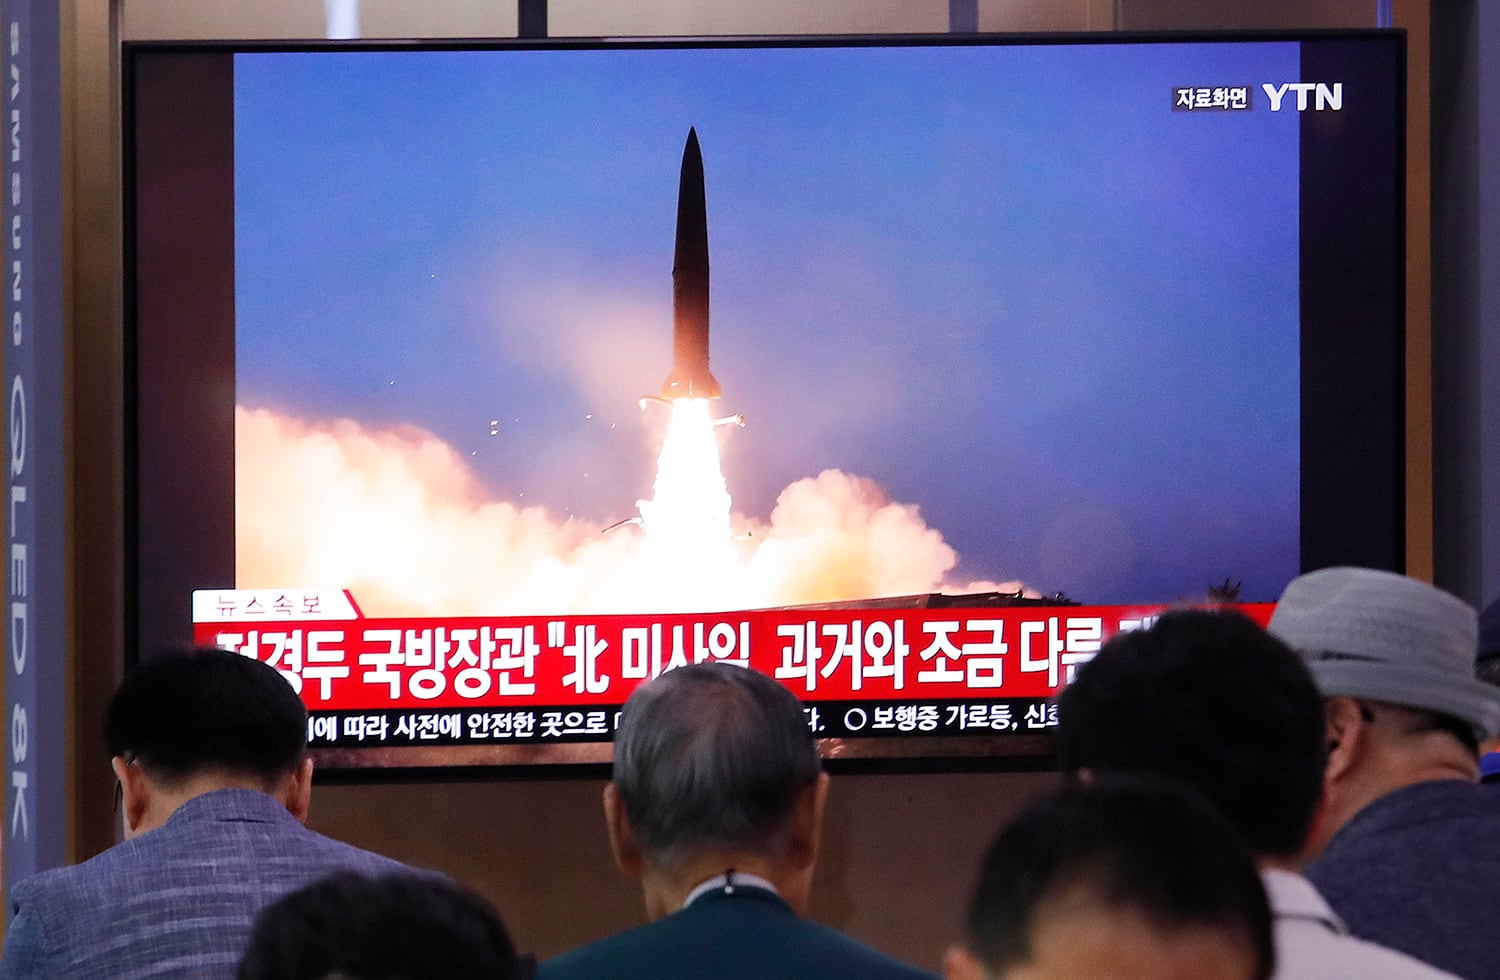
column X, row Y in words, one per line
column 209, row 748
column 716, row 807
column 1412, row 860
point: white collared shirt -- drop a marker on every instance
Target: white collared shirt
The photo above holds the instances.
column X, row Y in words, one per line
column 1313, row 943
column 727, row 883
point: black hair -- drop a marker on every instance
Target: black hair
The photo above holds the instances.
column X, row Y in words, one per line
column 1148, row 846
column 402, row 925
column 182, row 713
column 1209, row 698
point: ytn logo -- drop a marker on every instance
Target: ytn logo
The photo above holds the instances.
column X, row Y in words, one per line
column 1324, row 96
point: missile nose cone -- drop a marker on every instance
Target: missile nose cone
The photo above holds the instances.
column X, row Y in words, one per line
column 692, row 211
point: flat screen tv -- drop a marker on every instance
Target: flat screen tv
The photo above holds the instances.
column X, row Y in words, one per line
column 472, row 386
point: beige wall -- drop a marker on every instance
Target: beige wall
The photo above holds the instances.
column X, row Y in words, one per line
column 900, row 849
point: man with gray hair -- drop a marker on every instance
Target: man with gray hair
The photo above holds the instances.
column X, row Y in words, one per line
column 1410, row 857
column 716, row 807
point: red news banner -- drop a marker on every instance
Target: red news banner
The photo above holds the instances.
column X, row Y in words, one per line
column 462, row 680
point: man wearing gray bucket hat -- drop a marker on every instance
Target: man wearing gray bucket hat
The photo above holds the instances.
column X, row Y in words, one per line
column 1411, row 857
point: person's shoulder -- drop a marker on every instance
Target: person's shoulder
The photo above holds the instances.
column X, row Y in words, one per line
column 622, row 955
column 1409, row 827
column 47, row 886
column 731, row 938
column 1307, row 950
column 1436, row 792
column 251, row 823
column 337, row 855
column 650, row 952
column 860, row 960
column 1366, row 959
column 52, row 911
column 1421, row 803
column 81, row 882
column 48, row 881
column 770, row 924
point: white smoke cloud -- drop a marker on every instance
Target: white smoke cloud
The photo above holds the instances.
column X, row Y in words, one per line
column 837, row 536
column 397, row 517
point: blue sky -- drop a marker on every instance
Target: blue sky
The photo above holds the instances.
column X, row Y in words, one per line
column 1007, row 283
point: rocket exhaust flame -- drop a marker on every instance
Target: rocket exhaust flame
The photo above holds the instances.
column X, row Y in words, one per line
column 687, row 539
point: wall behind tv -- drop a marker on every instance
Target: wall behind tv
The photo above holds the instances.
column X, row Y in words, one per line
column 900, row 849
column 895, row 869
column 1466, row 296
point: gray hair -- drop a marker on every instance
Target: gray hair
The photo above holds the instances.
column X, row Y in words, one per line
column 712, row 755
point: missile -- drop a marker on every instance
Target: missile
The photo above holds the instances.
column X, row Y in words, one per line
column 690, row 377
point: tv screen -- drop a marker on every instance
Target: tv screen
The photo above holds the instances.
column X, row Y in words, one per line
column 475, row 385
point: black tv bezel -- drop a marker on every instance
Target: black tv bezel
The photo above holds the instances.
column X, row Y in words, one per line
column 1357, row 392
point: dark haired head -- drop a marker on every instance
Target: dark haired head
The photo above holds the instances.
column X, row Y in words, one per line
column 1147, row 848
column 397, row 927
column 185, row 713
column 711, row 755
column 1211, row 699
